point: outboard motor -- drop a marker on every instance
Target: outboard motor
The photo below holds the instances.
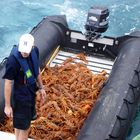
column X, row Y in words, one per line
column 97, row 22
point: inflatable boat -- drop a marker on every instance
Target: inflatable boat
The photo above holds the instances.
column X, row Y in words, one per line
column 116, row 105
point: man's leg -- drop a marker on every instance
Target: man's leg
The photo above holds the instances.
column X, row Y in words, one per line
column 23, row 134
column 17, row 133
column 21, row 121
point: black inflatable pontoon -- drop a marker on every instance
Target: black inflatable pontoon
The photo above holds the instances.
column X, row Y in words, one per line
column 115, row 108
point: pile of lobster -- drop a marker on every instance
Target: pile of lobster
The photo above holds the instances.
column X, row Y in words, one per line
column 72, row 90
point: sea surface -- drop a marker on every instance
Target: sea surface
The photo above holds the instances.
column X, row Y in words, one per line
column 19, row 16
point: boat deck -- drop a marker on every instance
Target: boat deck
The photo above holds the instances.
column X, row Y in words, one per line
column 95, row 64
column 8, row 136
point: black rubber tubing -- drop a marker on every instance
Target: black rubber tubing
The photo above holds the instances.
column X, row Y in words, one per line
column 114, row 110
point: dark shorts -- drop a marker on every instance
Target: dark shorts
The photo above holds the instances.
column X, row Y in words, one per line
column 23, row 113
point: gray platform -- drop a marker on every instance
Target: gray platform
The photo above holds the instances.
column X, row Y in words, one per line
column 8, row 136
column 95, row 64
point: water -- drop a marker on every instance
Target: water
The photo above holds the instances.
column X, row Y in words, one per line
column 19, row 16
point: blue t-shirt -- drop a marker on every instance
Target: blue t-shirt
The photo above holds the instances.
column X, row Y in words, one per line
column 14, row 72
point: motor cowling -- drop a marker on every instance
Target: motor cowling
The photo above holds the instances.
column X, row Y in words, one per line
column 97, row 22
column 97, row 19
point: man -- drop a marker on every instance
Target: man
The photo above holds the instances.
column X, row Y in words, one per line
column 23, row 68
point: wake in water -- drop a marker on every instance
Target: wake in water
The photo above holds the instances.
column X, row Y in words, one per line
column 75, row 17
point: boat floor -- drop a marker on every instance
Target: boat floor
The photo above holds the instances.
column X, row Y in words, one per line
column 95, row 64
column 8, row 136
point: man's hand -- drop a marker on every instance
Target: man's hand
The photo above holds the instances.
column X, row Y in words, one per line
column 43, row 94
column 8, row 111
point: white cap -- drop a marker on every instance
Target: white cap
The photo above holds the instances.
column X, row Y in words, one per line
column 26, row 43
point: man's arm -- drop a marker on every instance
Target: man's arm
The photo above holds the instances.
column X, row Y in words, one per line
column 41, row 87
column 39, row 80
column 7, row 94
